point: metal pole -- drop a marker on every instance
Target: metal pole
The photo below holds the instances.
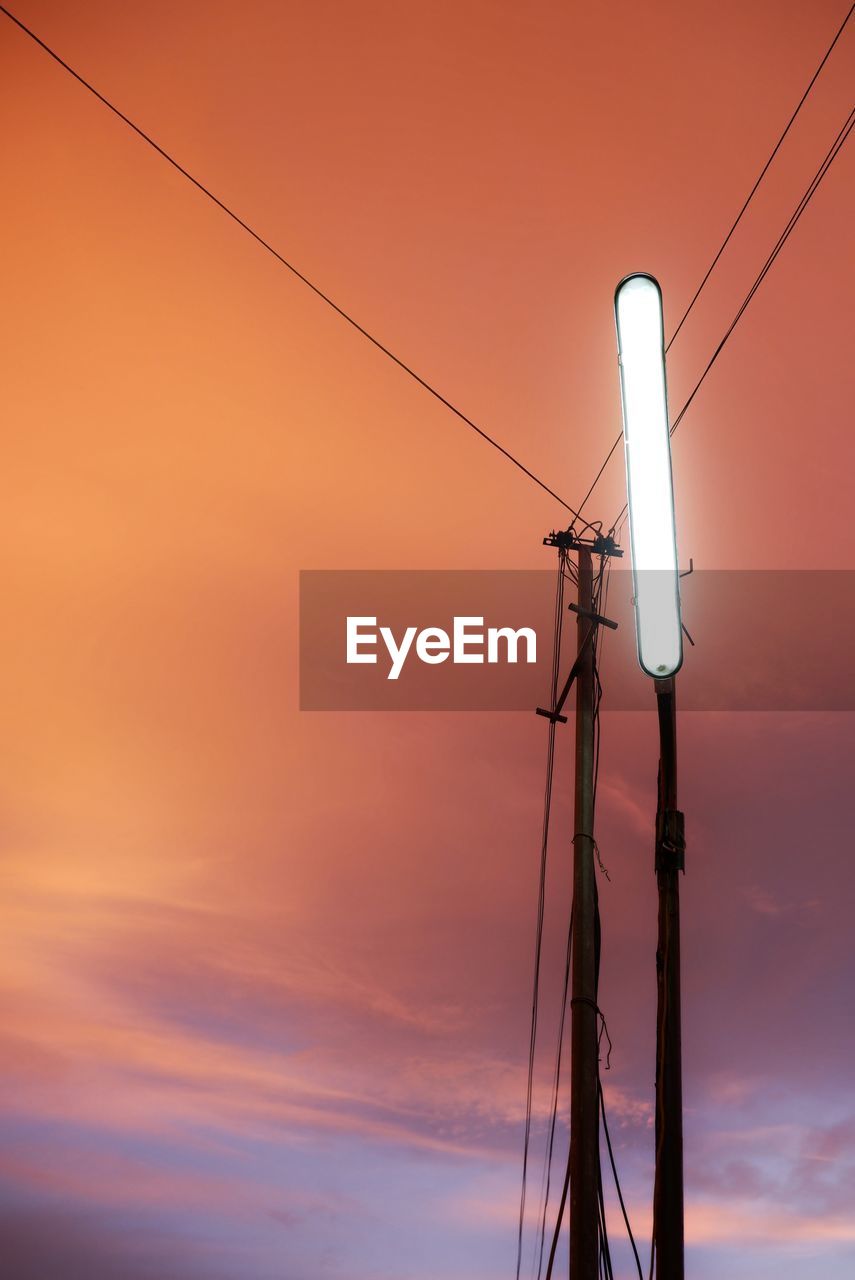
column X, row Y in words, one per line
column 584, row 1115
column 670, row 861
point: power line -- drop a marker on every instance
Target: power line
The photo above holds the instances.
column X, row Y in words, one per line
column 557, row 1232
column 596, row 480
column 555, row 1092
column 830, row 155
column 761, row 176
column 617, row 1180
column 782, row 240
column 736, row 223
column 605, row 1265
column 599, row 607
column 541, row 895
column 265, row 244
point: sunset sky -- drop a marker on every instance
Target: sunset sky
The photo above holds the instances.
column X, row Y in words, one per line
column 266, row 974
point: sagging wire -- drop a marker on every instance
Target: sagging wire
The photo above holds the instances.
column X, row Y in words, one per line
column 554, row 1118
column 616, row 1179
column 541, row 898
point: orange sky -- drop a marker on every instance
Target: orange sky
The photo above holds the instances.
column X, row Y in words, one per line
column 265, row 974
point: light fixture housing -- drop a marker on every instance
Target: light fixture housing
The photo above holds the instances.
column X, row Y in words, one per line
column 650, row 489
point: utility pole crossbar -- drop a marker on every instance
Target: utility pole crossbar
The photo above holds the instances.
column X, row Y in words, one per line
column 595, row 617
column 555, row 714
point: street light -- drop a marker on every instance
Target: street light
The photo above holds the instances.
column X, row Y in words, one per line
column 641, row 352
column 659, row 632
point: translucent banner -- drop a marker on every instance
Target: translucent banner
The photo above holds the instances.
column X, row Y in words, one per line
column 458, row 640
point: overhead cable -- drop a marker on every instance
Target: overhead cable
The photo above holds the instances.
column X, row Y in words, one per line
column 736, row 223
column 266, row 245
column 831, row 154
column 541, row 893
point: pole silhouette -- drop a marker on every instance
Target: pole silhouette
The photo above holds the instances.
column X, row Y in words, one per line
column 670, row 862
column 584, row 1113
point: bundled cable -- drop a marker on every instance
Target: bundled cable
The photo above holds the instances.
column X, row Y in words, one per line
column 541, row 895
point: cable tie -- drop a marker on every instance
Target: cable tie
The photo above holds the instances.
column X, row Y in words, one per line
column 585, row 836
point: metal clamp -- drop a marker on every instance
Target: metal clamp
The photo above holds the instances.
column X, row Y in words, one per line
column 601, row 544
column 670, row 841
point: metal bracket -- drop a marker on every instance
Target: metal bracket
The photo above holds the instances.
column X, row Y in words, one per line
column 685, row 574
column 602, row 544
column 670, row 841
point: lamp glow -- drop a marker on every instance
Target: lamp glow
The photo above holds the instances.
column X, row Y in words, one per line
column 647, row 443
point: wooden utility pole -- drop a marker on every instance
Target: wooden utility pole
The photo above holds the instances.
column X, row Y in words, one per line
column 583, row 1168
column 670, row 862
column 584, row 1114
